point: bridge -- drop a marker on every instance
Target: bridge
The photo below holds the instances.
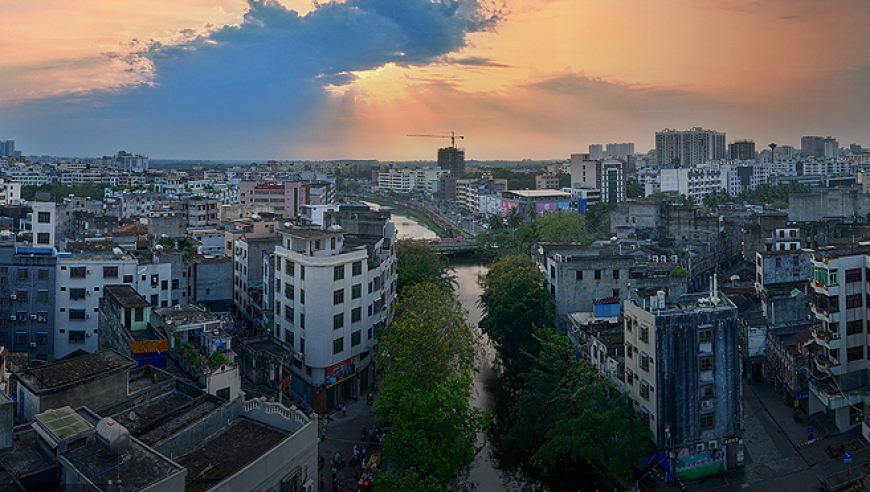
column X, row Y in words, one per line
column 451, row 246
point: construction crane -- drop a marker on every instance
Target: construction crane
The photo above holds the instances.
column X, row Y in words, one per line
column 452, row 137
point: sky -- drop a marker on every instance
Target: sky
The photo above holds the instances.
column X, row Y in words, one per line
column 350, row 79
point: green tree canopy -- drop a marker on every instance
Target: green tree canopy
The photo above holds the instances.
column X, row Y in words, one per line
column 428, row 355
column 417, row 263
column 514, row 301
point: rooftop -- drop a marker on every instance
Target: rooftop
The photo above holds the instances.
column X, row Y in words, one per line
column 830, row 252
column 227, row 453
column 185, row 313
column 266, row 345
column 126, row 296
column 310, row 233
column 540, row 193
column 73, row 370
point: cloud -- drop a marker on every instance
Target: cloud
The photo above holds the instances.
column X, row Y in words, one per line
column 262, row 80
column 475, row 61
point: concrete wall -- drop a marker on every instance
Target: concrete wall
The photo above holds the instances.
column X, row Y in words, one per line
column 7, row 420
column 830, row 202
column 96, row 392
column 192, row 436
column 678, row 377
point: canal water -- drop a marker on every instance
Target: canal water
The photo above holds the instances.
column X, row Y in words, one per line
column 492, row 470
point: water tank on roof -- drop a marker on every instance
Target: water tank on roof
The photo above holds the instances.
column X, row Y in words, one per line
column 118, row 251
column 334, row 228
column 114, row 436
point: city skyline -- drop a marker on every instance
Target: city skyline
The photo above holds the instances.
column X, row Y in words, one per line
column 520, row 79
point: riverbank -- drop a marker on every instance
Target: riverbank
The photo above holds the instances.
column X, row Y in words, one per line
column 443, row 227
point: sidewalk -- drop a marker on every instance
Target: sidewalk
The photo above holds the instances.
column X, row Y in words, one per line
column 342, row 433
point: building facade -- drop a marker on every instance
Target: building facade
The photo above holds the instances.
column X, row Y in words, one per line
column 676, row 148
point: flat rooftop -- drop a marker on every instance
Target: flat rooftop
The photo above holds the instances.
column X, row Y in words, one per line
column 839, row 251
column 127, row 296
column 144, row 467
column 75, row 369
column 186, row 313
column 310, row 233
column 266, row 345
column 540, row 194
column 228, row 452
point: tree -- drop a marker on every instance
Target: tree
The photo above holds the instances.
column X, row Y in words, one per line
column 562, row 226
column 514, row 301
column 514, row 219
column 428, row 357
column 633, row 188
column 598, row 218
column 417, row 263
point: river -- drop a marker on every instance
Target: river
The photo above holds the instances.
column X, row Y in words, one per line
column 485, row 473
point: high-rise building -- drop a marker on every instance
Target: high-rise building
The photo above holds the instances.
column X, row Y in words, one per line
column 596, row 152
column 743, row 150
column 453, row 160
column 676, row 148
column 820, row 146
column 613, row 183
column 619, row 149
column 7, row 148
column 682, row 372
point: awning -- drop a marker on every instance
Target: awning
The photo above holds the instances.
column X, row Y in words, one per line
column 706, row 354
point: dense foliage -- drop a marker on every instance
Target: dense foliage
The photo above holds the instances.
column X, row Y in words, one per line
column 514, row 301
column 58, row 190
column 774, row 195
column 418, row 264
column 517, row 233
column 428, row 356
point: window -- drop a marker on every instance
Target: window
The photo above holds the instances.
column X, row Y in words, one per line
column 42, row 317
column 289, row 314
column 853, row 275
column 76, row 336
column 597, row 274
column 629, row 377
column 23, row 295
column 164, row 285
column 332, row 243
column 644, row 333
column 778, row 262
column 78, row 272
column 356, row 315
column 578, row 275
column 356, row 291
column 628, row 353
column 338, row 297
column 77, row 314
column 174, row 283
column 41, row 338
column 42, row 296
column 706, row 392
column 317, row 244
column 338, row 273
column 705, row 363
column 302, row 321
column 356, row 268
column 338, row 321
column 139, row 314
column 76, row 294
column 22, row 274
column 302, row 272
column 355, row 338
column 644, row 361
column 853, row 301
column 110, row 272
column 288, row 291
column 22, row 316
column 338, row 346
column 552, row 271
column 43, row 238
column 301, row 296
column 705, row 334
column 855, row 353
column 44, row 217
column 615, row 274
column 42, row 275
column 854, row 327
column 289, row 268
column 708, row 421
column 128, row 279
column 20, row 338
column 644, row 389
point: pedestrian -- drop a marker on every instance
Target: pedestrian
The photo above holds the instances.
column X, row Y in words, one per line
column 323, row 433
column 362, row 432
column 344, row 410
column 334, row 472
column 322, row 486
column 356, row 472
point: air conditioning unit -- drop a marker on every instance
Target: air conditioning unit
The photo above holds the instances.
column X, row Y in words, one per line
column 700, row 447
column 712, row 444
column 89, row 292
column 33, row 316
column 87, row 316
column 13, row 297
column 33, row 345
column 706, row 404
column 13, row 318
column 308, row 486
column 90, row 271
column 88, row 334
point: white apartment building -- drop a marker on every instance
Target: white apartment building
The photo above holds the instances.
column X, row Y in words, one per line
column 44, row 224
column 211, row 240
column 695, row 182
column 10, row 192
column 80, row 282
column 331, row 297
column 827, row 167
column 398, row 180
column 738, row 177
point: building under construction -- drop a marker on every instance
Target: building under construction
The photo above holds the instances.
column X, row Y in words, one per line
column 453, row 160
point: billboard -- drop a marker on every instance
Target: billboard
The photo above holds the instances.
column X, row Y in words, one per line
column 337, row 372
column 700, row 465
